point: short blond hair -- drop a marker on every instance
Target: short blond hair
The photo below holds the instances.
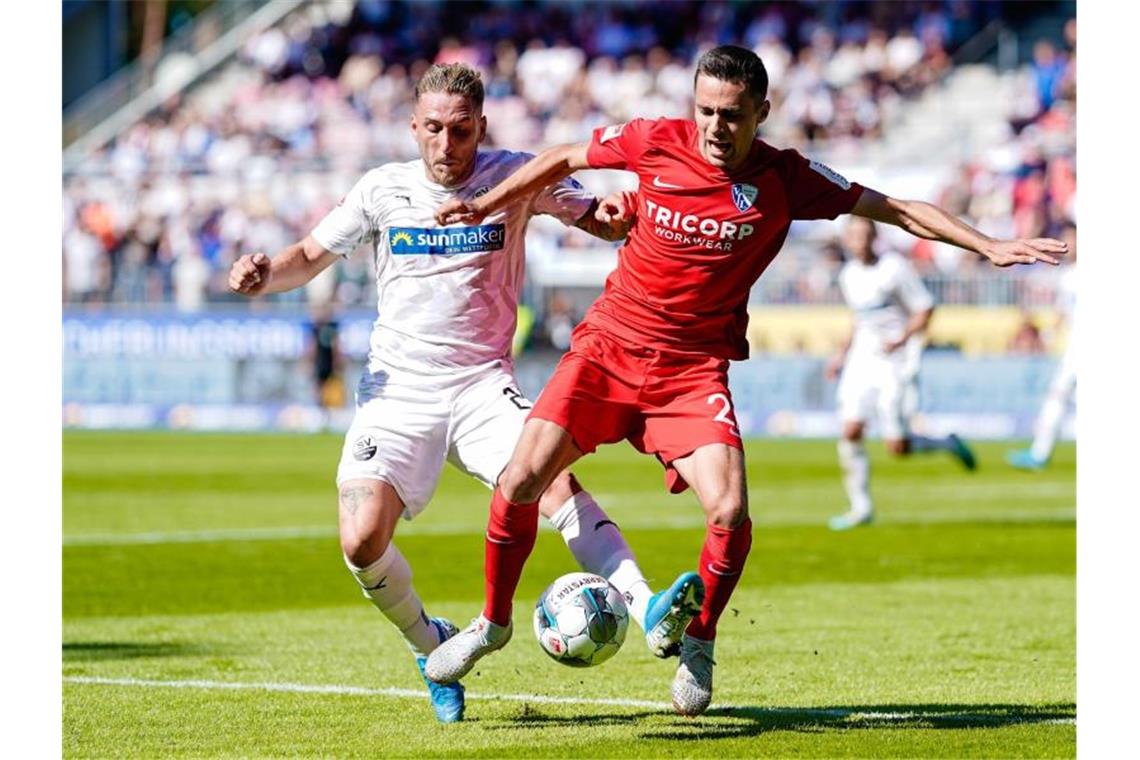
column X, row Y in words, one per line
column 453, row 79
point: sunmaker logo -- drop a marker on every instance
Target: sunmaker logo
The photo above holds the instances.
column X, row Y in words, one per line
column 445, row 241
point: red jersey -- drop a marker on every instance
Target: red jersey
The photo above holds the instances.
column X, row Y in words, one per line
column 702, row 237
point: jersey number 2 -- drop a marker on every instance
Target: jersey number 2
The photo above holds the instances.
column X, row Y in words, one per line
column 726, row 408
column 516, row 397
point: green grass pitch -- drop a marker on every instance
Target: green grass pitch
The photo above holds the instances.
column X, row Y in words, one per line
column 207, row 612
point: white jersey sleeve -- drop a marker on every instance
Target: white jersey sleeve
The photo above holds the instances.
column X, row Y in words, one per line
column 567, row 201
column 349, row 225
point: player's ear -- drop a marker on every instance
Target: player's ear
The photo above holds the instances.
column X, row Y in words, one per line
column 482, row 127
column 762, row 111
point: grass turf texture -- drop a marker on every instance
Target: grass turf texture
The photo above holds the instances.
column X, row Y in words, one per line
column 946, row 629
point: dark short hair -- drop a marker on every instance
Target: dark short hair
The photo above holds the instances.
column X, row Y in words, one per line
column 730, row 63
column 452, row 79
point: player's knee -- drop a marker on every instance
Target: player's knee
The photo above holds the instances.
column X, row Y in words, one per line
column 728, row 511
column 362, row 549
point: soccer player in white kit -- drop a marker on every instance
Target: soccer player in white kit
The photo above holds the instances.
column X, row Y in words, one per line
column 439, row 385
column 1064, row 382
column 879, row 362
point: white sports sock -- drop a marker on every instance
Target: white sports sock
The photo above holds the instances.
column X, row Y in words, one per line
column 595, row 541
column 856, row 475
column 387, row 582
column 1048, row 427
column 921, row 443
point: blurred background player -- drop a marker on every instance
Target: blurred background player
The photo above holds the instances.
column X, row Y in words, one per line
column 879, row 363
column 439, row 383
column 325, row 358
column 1064, row 383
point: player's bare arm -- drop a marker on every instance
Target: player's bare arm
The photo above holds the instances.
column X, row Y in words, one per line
column 552, row 165
column 926, row 220
column 918, row 323
column 258, row 274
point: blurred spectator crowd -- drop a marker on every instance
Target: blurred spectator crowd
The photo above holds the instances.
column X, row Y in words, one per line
column 253, row 156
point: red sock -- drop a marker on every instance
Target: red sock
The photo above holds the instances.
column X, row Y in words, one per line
column 722, row 562
column 511, row 529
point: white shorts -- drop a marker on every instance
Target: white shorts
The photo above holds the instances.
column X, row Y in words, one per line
column 879, row 389
column 404, row 430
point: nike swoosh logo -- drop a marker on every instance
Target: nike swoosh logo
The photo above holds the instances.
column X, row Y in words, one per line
column 378, row 586
column 600, row 523
column 658, row 183
column 714, row 571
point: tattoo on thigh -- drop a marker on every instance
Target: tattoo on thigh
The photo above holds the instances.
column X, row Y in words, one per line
column 351, row 497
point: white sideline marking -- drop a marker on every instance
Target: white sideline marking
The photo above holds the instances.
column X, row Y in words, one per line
column 364, row 691
column 301, row 688
column 1062, row 514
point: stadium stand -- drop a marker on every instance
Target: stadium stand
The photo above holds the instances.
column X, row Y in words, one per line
column 257, row 150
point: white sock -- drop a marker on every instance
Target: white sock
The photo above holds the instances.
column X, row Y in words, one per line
column 856, row 475
column 595, row 541
column 1048, row 427
column 921, row 443
column 387, row 582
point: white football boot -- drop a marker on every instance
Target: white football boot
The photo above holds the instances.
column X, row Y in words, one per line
column 452, row 659
column 692, row 686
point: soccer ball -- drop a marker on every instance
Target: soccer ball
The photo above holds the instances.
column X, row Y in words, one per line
column 580, row 620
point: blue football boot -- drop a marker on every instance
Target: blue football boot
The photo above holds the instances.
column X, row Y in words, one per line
column 669, row 613
column 446, row 700
column 1023, row 459
column 849, row 520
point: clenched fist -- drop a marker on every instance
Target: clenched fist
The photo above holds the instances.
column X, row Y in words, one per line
column 250, row 274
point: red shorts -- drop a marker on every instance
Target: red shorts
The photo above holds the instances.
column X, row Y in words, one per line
column 667, row 404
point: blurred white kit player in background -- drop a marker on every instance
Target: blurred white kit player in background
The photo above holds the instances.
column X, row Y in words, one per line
column 439, row 384
column 879, row 363
column 1064, row 383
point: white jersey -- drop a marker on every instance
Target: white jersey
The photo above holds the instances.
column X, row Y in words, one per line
column 447, row 297
column 884, row 296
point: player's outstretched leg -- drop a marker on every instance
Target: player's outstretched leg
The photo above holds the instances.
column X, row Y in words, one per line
column 597, row 543
column 511, row 531
column 669, row 612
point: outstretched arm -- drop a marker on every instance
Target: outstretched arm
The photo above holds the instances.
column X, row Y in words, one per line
column 926, row 220
column 550, row 166
column 257, row 274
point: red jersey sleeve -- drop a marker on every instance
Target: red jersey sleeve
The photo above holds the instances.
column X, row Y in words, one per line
column 619, row 146
column 816, row 191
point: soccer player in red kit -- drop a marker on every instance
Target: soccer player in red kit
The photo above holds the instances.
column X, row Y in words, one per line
column 649, row 363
